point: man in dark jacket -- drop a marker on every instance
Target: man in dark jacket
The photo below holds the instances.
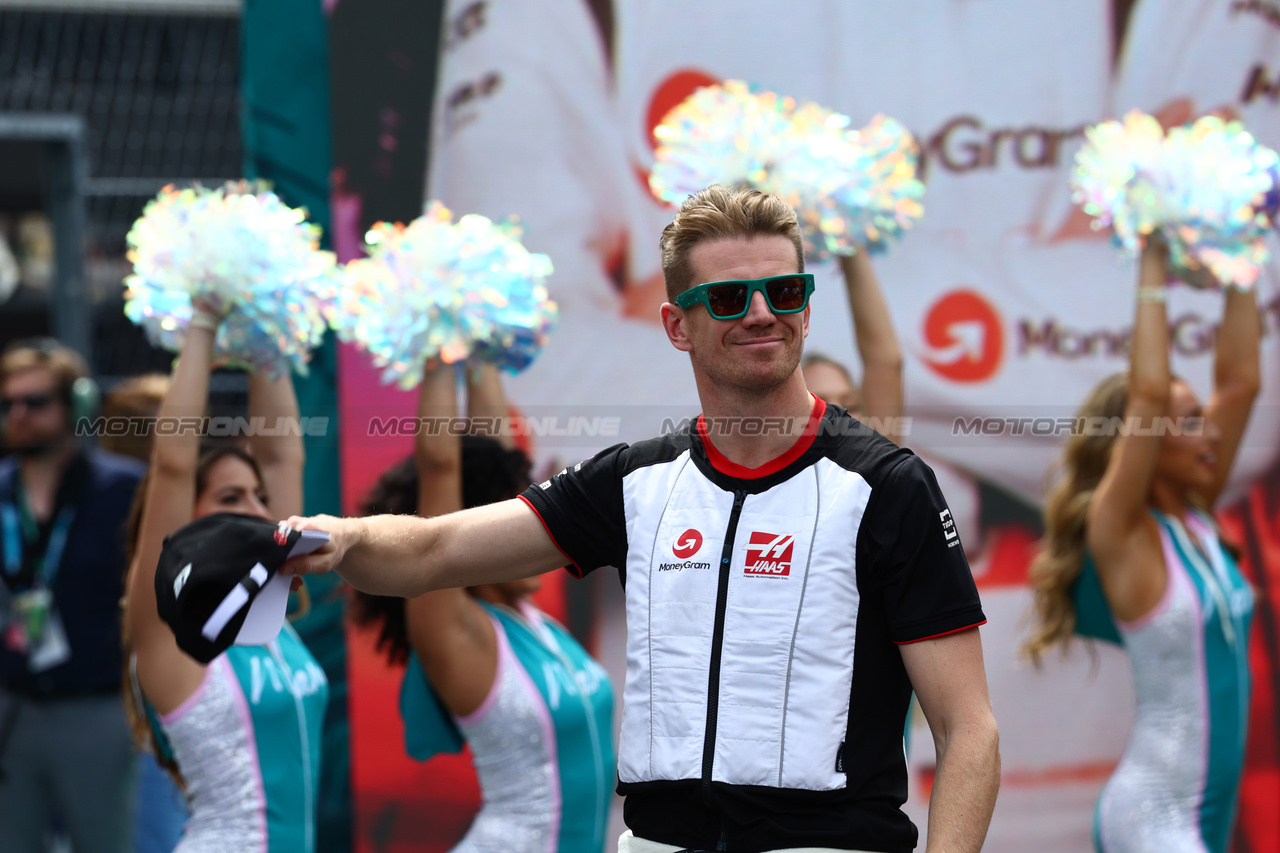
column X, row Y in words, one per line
column 65, row 748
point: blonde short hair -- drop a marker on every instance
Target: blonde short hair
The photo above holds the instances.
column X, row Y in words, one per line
column 64, row 363
column 722, row 213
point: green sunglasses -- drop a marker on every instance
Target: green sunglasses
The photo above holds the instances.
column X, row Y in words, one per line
column 729, row 300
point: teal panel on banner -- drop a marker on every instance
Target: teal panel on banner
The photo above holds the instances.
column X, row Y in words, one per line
column 287, row 133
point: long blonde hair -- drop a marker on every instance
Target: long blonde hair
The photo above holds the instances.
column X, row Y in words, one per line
column 1061, row 554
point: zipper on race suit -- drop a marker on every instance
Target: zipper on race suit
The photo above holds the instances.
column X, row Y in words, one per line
column 717, row 640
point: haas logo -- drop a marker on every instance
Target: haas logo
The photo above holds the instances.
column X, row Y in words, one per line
column 964, row 337
column 769, row 554
column 687, row 544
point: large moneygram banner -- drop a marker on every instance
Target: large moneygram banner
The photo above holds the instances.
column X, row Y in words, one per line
column 1008, row 306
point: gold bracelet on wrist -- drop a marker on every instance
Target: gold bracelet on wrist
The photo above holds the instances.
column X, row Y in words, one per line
column 1152, row 294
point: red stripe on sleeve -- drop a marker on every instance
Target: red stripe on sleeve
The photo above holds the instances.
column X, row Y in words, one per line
column 943, row 634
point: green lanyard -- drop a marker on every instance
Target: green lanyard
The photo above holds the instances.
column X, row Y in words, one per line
column 21, row 528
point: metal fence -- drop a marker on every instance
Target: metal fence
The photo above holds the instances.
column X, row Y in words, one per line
column 156, row 86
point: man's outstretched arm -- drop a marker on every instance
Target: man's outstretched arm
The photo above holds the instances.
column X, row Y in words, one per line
column 951, row 684
column 405, row 556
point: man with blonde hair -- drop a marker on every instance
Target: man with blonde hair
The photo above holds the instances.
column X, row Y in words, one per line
column 65, row 749
column 790, row 576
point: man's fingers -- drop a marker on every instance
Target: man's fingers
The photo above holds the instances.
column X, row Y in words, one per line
column 321, row 560
column 317, row 562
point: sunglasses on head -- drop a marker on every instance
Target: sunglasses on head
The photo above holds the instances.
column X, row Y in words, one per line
column 32, row 402
column 729, row 300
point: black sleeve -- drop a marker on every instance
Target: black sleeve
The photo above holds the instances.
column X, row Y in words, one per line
column 581, row 507
column 914, row 562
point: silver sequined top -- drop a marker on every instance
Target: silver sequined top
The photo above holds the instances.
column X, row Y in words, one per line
column 217, row 760
column 1174, row 789
column 513, row 750
column 247, row 742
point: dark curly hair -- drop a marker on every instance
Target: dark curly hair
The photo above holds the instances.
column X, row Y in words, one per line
column 490, row 473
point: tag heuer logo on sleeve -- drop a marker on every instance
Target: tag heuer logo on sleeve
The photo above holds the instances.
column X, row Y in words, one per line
column 949, row 529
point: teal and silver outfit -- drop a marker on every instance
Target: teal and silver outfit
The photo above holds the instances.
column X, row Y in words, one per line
column 248, row 745
column 541, row 740
column 1175, row 789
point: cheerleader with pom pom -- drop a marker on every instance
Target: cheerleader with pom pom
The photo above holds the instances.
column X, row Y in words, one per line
column 245, row 749
column 485, row 667
column 1132, row 555
column 241, row 733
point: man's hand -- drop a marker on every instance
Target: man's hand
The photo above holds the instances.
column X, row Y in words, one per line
column 343, row 533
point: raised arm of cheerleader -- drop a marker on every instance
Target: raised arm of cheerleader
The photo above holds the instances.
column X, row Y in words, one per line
column 1236, row 379
column 167, row 675
column 1119, row 531
column 877, row 346
column 278, row 448
column 451, row 634
column 487, row 405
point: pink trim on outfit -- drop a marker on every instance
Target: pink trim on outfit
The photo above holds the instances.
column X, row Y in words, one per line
column 1171, row 576
column 190, row 702
column 1206, row 535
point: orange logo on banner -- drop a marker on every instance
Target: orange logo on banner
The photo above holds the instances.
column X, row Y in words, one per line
column 666, row 97
column 964, row 337
column 671, row 92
